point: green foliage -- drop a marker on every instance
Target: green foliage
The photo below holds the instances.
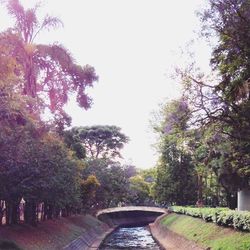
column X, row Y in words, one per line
column 34, row 162
column 225, row 218
column 39, row 67
column 113, row 179
column 230, row 20
column 74, row 143
column 220, row 216
column 220, row 105
column 175, row 182
column 139, row 190
column 241, row 221
column 100, row 141
column 88, row 191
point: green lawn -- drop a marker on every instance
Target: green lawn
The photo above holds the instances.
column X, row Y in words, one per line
column 207, row 234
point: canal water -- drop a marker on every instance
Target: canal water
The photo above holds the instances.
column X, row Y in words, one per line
column 130, row 238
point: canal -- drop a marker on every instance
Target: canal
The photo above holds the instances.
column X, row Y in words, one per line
column 130, row 238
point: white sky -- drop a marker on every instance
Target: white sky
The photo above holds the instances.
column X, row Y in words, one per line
column 133, row 45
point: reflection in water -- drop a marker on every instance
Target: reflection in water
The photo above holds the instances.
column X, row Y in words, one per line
column 130, row 238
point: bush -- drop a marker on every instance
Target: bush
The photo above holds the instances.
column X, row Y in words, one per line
column 225, row 218
column 241, row 221
column 208, row 214
column 194, row 212
column 220, row 216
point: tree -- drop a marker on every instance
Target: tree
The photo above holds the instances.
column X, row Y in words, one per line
column 230, row 21
column 49, row 72
column 113, row 179
column 139, row 190
column 89, row 188
column 34, row 162
column 175, row 182
column 101, row 141
column 207, row 160
column 73, row 142
column 222, row 104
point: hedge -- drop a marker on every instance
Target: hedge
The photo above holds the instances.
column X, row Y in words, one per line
column 239, row 220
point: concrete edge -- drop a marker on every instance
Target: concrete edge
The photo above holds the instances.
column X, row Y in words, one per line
column 170, row 240
column 98, row 241
column 154, row 234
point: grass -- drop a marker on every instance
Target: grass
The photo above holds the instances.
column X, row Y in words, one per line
column 207, row 234
column 48, row 235
column 8, row 245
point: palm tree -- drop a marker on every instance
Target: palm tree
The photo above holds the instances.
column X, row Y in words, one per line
column 48, row 72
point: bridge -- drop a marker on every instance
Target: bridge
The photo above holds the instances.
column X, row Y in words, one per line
column 130, row 215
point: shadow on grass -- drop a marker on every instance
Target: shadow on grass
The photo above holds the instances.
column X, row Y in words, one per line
column 8, row 245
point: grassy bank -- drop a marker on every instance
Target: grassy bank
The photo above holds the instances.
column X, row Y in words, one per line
column 49, row 235
column 206, row 234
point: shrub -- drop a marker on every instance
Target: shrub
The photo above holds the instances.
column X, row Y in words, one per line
column 225, row 218
column 220, row 216
column 208, row 214
column 241, row 221
column 194, row 212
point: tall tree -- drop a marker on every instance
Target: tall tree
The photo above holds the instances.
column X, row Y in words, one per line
column 175, row 182
column 49, row 72
column 225, row 102
column 230, row 21
column 101, row 141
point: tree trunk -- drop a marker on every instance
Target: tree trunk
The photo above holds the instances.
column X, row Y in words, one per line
column 46, row 210
column 50, row 212
column 231, row 200
column 2, row 209
column 66, row 211
column 57, row 212
column 199, row 202
column 42, row 212
column 15, row 215
column 30, row 215
column 8, row 213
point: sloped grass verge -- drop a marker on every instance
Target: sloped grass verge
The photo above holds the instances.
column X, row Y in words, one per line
column 49, row 235
column 206, row 234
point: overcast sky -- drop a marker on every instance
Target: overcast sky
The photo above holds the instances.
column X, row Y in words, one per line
column 133, row 45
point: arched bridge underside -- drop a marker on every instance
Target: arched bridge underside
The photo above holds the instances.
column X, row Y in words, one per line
column 132, row 215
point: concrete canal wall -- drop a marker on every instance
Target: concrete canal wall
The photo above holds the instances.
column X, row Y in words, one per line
column 91, row 239
column 169, row 240
column 108, row 222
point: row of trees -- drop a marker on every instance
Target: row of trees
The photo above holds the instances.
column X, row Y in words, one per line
column 46, row 169
column 36, row 166
column 204, row 137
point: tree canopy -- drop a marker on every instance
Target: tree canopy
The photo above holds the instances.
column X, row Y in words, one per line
column 216, row 139
column 48, row 73
column 101, row 141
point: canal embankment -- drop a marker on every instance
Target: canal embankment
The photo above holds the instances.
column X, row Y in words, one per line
column 75, row 232
column 172, row 231
column 175, row 231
